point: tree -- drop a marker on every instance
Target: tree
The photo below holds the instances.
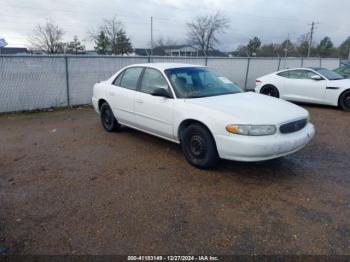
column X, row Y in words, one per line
column 75, row 47
column 253, row 46
column 268, row 50
column 303, row 45
column 123, row 43
column 325, row 48
column 48, row 38
column 344, row 49
column 102, row 44
column 204, row 30
column 111, row 27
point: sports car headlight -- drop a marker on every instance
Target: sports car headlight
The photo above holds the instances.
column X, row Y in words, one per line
column 251, row 130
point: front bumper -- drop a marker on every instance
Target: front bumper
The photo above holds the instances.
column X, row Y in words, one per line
column 259, row 148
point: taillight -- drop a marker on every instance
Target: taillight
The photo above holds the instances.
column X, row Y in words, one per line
column 258, row 81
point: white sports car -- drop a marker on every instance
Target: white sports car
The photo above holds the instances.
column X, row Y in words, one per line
column 311, row 85
column 205, row 112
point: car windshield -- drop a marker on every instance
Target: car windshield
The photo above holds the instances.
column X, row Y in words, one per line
column 330, row 75
column 195, row 82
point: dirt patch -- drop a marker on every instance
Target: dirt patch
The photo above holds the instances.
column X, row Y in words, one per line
column 68, row 187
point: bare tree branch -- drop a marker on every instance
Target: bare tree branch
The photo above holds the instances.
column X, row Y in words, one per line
column 47, row 38
column 203, row 31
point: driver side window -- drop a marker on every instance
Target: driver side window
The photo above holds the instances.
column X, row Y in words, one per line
column 301, row 74
column 152, row 80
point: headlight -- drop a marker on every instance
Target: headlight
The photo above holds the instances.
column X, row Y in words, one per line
column 251, row 130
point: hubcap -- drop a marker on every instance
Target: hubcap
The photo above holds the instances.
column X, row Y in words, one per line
column 270, row 92
column 197, row 146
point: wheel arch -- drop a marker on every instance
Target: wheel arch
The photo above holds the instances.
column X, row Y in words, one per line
column 342, row 93
column 187, row 122
column 100, row 102
column 270, row 85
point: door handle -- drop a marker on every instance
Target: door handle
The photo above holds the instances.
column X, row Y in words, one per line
column 139, row 101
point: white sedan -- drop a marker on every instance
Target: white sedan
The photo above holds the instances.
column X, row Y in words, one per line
column 311, row 85
column 205, row 112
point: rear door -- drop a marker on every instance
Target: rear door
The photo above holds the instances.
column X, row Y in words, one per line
column 122, row 94
column 301, row 87
column 153, row 113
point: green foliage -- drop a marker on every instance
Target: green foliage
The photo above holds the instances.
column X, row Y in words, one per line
column 303, row 48
column 102, row 44
column 326, row 47
column 123, row 44
column 344, row 49
column 119, row 45
column 253, row 45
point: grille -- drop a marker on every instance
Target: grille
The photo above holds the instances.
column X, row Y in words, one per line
column 293, row 126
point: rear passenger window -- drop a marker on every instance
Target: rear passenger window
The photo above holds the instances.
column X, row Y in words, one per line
column 116, row 82
column 284, row 74
column 131, row 77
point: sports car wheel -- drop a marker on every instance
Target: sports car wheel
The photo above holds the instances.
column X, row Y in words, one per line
column 270, row 90
column 344, row 101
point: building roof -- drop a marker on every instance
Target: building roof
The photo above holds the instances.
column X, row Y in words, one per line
column 13, row 50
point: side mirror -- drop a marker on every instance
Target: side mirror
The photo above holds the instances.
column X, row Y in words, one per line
column 316, row 78
column 161, row 92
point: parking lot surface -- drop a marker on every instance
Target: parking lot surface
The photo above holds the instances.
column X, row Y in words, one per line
column 69, row 187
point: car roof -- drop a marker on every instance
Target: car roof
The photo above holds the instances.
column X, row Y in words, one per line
column 165, row 66
column 301, row 68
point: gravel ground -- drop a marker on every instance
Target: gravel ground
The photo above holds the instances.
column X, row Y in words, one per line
column 69, row 187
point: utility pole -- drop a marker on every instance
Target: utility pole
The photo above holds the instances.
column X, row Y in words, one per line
column 286, row 52
column 151, row 36
column 311, row 36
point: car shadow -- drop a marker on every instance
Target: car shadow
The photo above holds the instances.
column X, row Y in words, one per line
column 279, row 168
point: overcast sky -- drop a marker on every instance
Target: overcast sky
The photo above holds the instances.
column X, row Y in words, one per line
column 270, row 20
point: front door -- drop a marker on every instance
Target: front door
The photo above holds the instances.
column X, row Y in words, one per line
column 153, row 113
column 301, row 87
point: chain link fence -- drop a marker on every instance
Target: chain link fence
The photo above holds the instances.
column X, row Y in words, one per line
column 38, row 82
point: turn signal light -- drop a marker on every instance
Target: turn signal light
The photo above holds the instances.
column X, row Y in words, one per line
column 232, row 128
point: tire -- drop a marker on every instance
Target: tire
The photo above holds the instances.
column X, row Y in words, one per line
column 109, row 122
column 270, row 90
column 199, row 146
column 344, row 101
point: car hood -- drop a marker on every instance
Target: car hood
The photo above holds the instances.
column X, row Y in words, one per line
column 252, row 108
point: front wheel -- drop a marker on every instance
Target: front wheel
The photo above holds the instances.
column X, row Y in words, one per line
column 344, row 101
column 109, row 122
column 199, row 146
column 270, row 90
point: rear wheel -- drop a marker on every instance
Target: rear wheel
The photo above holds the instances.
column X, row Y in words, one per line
column 109, row 122
column 199, row 146
column 270, row 90
column 344, row 101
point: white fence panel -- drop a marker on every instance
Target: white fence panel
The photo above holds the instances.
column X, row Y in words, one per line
column 174, row 59
column 234, row 69
column 311, row 62
column 36, row 82
column 28, row 83
column 259, row 67
column 84, row 72
column 330, row 63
